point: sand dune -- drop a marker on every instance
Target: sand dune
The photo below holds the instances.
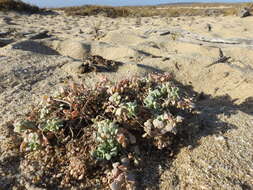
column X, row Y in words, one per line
column 218, row 157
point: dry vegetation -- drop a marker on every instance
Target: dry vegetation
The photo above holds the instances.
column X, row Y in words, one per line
column 79, row 133
column 14, row 5
column 172, row 10
column 95, row 10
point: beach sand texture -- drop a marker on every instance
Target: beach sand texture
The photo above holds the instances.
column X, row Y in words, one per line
column 40, row 53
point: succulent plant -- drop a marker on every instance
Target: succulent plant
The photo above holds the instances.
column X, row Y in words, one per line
column 44, row 111
column 115, row 98
column 33, row 141
column 161, row 97
column 23, row 125
column 53, row 125
column 151, row 100
column 128, row 110
column 131, row 108
column 171, row 91
column 160, row 126
column 105, row 136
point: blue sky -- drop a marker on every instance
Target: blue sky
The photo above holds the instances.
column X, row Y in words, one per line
column 61, row 3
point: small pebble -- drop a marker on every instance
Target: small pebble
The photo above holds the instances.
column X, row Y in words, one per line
column 115, row 185
column 219, row 138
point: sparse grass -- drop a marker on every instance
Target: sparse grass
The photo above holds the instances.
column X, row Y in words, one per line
column 95, row 10
column 175, row 10
column 19, row 6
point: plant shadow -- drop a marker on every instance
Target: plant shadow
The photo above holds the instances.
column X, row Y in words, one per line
column 205, row 123
column 150, row 68
column 9, row 166
column 9, row 159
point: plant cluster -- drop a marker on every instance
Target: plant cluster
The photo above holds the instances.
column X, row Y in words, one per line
column 106, row 122
column 105, row 136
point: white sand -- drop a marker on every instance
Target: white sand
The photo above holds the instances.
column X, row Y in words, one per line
column 32, row 68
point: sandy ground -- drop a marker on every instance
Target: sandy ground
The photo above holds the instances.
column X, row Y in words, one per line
column 218, row 154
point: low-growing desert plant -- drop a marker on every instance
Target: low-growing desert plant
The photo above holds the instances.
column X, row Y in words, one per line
column 103, row 124
column 106, row 137
column 52, row 125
